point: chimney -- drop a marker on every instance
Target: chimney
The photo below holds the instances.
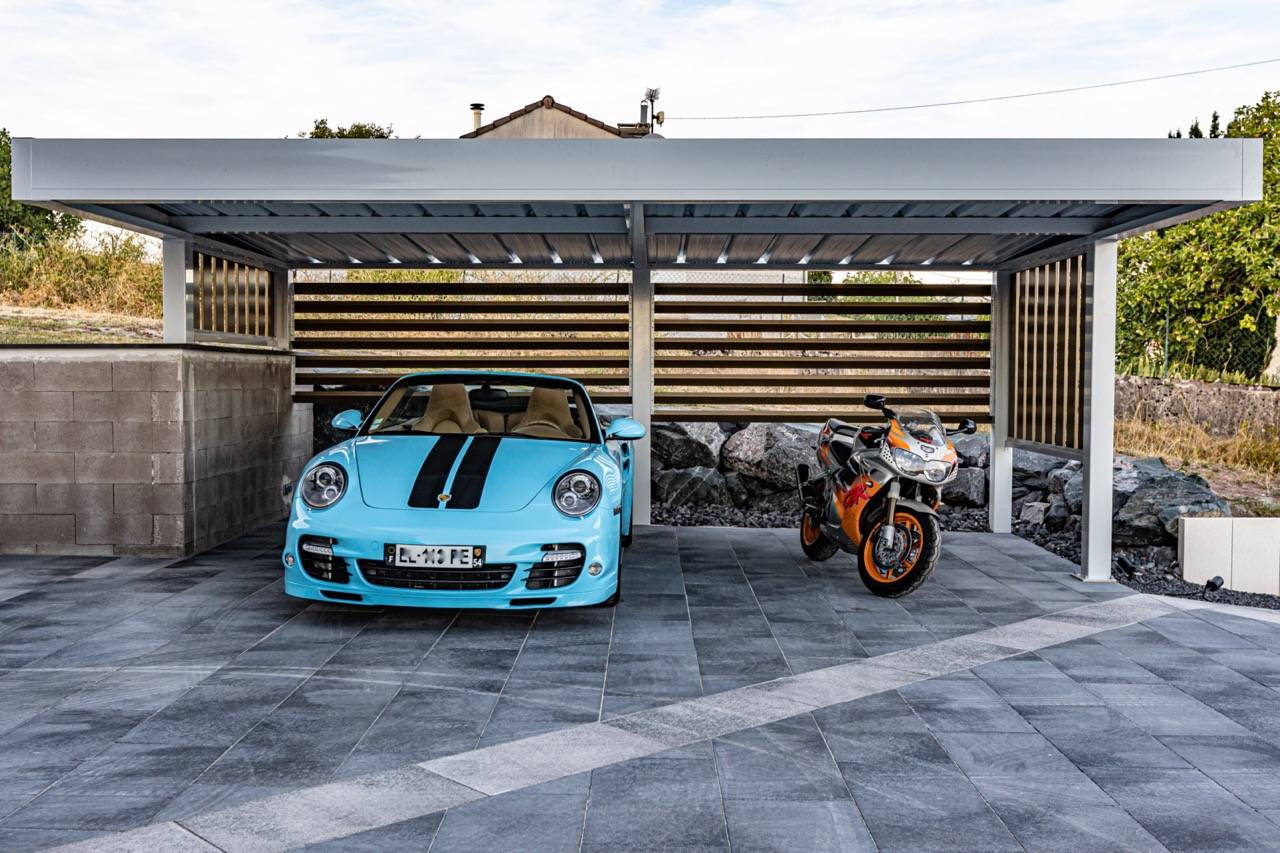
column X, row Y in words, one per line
column 644, row 112
column 476, row 110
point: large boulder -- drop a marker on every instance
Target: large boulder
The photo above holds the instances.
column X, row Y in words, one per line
column 1034, row 512
column 685, row 486
column 1032, row 469
column 769, row 452
column 974, row 450
column 1068, row 482
column 688, row 445
column 968, row 489
column 1158, row 498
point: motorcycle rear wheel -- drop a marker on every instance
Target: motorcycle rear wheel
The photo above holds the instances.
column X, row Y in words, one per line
column 916, row 555
column 815, row 544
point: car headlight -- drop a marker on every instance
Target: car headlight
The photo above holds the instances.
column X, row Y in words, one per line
column 576, row 493
column 908, row 462
column 323, row 486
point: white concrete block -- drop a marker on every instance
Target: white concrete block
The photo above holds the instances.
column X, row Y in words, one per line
column 1204, row 548
column 1255, row 555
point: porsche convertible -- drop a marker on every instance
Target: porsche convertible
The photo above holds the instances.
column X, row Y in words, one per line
column 468, row 490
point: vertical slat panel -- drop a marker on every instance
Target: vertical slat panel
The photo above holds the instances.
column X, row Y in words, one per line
column 1047, row 348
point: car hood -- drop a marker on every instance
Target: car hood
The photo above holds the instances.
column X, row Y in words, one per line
column 485, row 473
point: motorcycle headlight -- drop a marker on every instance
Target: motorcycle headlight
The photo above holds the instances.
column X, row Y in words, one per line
column 937, row 470
column 323, row 486
column 908, row 462
column 576, row 493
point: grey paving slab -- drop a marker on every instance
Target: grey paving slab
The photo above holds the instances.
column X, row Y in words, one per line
column 542, row 758
column 740, row 693
column 656, row 803
column 1186, row 810
column 330, row 811
column 786, row 760
column 768, row 826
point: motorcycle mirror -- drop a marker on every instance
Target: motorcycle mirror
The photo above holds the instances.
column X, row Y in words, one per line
column 874, row 401
column 967, row 426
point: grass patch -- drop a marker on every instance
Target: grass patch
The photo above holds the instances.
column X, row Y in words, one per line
column 37, row 326
column 1186, row 442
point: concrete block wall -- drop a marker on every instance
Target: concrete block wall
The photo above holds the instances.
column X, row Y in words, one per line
column 145, row 450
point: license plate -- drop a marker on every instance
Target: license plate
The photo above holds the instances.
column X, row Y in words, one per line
column 435, row 556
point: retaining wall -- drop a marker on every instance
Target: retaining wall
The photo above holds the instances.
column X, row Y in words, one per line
column 1220, row 409
column 144, row 450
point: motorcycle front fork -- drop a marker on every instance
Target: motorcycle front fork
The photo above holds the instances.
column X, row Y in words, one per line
column 889, row 530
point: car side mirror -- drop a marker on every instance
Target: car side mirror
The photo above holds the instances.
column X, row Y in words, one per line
column 874, row 401
column 624, row 429
column 347, row 421
column 967, row 426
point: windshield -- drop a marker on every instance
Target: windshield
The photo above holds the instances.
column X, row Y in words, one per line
column 477, row 406
column 922, row 425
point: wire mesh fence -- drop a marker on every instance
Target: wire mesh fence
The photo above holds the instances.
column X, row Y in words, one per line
column 1224, row 351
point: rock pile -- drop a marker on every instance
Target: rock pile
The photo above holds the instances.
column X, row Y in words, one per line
column 744, row 475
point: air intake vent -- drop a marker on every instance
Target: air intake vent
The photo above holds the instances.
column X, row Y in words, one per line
column 315, row 553
column 560, row 566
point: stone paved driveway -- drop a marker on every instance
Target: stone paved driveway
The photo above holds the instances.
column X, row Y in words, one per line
column 741, row 697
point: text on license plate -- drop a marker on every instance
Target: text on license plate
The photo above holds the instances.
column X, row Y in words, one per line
column 436, row 556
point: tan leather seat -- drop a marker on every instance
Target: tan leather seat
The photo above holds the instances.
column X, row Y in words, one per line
column 548, row 416
column 449, row 410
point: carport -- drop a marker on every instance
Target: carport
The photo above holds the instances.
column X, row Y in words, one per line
column 239, row 218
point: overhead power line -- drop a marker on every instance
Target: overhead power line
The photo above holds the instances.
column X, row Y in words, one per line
column 986, row 100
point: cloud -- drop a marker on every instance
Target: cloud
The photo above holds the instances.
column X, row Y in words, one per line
column 228, row 69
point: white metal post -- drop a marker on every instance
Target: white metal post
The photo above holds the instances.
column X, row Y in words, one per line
column 1000, row 466
column 176, row 272
column 1099, row 409
column 641, row 366
column 282, row 307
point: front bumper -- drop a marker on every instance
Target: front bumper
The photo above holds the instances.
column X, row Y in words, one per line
column 361, row 533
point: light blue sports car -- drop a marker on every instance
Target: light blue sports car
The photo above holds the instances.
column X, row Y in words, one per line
column 467, row 489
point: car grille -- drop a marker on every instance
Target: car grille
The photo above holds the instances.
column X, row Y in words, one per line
column 491, row 576
column 547, row 575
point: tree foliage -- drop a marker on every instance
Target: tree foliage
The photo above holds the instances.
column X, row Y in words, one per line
column 33, row 224
column 1216, row 279
column 356, row 130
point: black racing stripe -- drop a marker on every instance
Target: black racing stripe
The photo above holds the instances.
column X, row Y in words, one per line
column 473, row 471
column 434, row 474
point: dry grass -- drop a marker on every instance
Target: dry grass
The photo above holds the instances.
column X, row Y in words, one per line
column 1182, row 443
column 106, row 273
column 67, row 326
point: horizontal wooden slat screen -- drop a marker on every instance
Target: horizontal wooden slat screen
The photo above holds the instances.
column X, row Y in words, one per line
column 1047, row 382
column 352, row 338
column 790, row 351
column 771, row 351
column 232, row 300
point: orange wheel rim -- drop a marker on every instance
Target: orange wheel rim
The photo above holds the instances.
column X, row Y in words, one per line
column 808, row 530
column 909, row 555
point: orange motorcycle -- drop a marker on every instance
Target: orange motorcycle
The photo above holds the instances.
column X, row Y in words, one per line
column 878, row 493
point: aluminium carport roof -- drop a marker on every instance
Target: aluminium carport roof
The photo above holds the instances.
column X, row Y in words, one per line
column 830, row 203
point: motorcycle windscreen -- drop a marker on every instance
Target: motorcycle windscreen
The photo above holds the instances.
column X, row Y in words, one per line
column 923, row 426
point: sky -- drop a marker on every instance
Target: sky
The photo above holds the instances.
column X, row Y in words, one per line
column 144, row 68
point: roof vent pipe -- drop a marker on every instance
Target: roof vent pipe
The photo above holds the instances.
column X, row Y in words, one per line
column 644, row 112
column 476, row 110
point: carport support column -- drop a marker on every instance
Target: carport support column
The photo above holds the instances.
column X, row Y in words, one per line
column 641, row 365
column 176, row 257
column 1099, row 409
column 1000, row 464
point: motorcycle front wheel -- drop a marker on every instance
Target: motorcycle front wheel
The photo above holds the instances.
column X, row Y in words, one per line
column 815, row 544
column 895, row 572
